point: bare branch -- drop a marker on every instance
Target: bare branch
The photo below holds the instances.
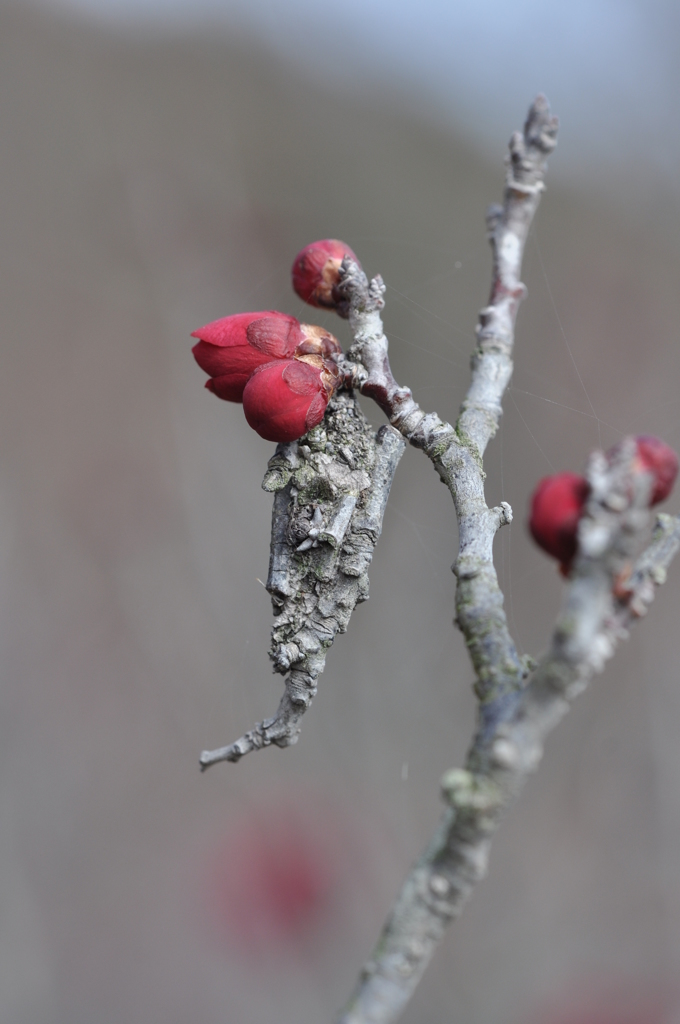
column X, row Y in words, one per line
column 457, row 452
column 330, row 494
column 331, row 489
column 594, row 618
column 512, row 719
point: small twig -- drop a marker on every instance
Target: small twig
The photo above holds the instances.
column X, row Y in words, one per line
column 283, row 729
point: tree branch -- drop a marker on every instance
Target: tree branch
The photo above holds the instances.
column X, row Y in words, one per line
column 514, row 718
column 457, row 452
column 302, row 631
column 595, row 616
column 330, row 492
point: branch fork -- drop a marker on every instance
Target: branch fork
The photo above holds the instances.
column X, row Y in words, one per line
column 611, row 585
column 330, row 490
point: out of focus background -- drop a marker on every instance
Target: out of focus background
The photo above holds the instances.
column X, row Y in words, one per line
column 160, row 166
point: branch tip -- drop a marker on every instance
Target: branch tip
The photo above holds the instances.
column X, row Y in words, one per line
column 541, row 127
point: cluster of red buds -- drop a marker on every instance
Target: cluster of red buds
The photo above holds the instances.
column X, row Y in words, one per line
column 283, row 371
column 558, row 501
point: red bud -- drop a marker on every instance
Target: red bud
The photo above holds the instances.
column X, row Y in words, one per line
column 556, row 507
column 661, row 461
column 272, row 880
column 284, row 399
column 230, row 349
column 316, row 272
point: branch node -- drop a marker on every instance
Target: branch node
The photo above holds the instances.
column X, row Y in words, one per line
column 504, row 513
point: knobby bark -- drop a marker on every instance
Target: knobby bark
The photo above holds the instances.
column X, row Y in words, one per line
column 330, row 492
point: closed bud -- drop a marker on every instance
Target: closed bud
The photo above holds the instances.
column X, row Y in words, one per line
column 284, row 399
column 316, row 274
column 556, row 507
column 654, row 456
column 232, row 348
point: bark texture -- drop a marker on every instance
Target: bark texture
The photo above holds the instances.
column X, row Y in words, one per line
column 330, row 492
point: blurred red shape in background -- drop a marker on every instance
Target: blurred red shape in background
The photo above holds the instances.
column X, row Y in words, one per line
column 274, row 878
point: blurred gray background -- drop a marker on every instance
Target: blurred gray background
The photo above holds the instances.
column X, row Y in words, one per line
column 160, row 166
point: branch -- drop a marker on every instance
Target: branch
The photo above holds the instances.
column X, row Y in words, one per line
column 595, row 616
column 314, row 592
column 330, row 492
column 430, row 898
column 457, row 452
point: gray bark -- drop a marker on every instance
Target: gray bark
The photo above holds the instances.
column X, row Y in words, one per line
column 330, row 492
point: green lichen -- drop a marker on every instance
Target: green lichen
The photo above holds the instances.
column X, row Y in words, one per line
column 466, row 442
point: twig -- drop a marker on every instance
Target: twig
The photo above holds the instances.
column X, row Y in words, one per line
column 591, row 623
column 331, row 489
column 457, row 452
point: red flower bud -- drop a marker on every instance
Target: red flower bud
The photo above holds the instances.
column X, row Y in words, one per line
column 230, row 349
column 316, row 272
column 556, row 507
column 657, row 458
column 284, row 399
column 272, row 879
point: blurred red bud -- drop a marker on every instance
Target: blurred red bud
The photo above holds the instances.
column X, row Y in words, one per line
column 661, row 461
column 273, row 879
column 230, row 349
column 284, row 399
column 556, row 507
column 316, row 272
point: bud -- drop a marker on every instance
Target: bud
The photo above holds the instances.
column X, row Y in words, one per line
column 284, row 399
column 230, row 349
column 556, row 507
column 316, row 273
column 655, row 457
